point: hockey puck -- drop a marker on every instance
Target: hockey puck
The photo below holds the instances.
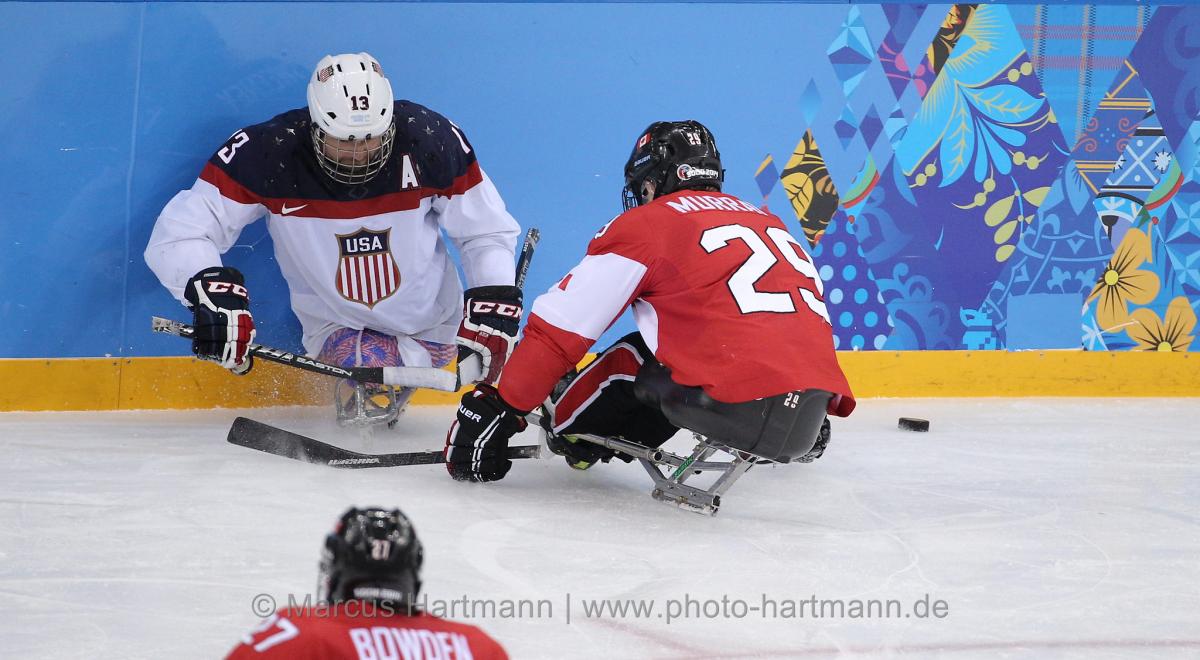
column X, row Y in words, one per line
column 914, row 424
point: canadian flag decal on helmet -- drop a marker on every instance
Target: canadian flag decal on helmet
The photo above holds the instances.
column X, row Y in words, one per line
column 642, row 141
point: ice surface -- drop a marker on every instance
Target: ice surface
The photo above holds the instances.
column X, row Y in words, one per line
column 1050, row 528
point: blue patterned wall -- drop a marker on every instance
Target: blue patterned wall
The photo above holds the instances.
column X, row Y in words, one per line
column 1004, row 177
column 970, row 176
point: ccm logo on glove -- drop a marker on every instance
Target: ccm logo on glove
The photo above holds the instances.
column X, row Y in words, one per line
column 499, row 309
column 222, row 326
column 488, row 330
column 228, row 287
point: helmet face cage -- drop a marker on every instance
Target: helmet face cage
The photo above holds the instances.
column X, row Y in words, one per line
column 352, row 161
column 673, row 155
column 351, row 106
column 373, row 554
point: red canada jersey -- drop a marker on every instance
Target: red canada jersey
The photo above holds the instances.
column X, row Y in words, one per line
column 331, row 634
column 721, row 292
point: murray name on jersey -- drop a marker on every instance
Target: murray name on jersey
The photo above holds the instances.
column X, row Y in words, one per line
column 690, row 203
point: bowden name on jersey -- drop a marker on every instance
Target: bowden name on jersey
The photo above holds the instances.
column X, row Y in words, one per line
column 367, row 255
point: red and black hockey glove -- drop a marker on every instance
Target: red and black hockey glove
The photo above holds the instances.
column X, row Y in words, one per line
column 489, row 330
column 477, row 444
column 223, row 326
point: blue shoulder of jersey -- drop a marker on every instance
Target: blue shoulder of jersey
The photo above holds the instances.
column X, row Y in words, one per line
column 439, row 148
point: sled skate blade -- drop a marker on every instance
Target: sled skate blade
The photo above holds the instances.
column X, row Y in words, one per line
column 688, row 498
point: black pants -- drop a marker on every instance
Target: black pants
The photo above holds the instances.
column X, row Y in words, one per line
column 606, row 398
column 600, row 399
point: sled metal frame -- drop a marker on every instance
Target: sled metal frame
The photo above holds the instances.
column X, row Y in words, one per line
column 670, row 471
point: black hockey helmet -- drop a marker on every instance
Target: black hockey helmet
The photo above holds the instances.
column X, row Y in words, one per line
column 675, row 155
column 373, row 554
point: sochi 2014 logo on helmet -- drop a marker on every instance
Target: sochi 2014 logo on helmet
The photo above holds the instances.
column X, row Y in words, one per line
column 686, row 172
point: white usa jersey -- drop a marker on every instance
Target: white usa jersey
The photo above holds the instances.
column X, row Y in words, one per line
column 366, row 256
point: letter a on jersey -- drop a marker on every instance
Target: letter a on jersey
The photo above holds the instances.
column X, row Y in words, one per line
column 366, row 271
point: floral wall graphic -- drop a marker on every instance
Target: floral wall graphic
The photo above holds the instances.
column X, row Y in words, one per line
column 1006, row 177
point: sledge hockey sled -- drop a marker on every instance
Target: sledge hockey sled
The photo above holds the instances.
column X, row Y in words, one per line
column 776, row 429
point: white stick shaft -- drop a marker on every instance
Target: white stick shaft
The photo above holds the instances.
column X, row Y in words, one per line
column 426, row 377
column 470, row 370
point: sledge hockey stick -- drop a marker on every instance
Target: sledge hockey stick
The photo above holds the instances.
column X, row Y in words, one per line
column 531, row 240
column 470, row 370
column 427, row 377
column 273, row 440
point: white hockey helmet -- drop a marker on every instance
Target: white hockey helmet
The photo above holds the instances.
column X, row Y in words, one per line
column 351, row 106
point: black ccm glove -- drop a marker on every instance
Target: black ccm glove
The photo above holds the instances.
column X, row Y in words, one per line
column 223, row 326
column 489, row 330
column 477, row 444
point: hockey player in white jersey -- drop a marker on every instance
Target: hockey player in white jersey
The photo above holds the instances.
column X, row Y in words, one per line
column 357, row 190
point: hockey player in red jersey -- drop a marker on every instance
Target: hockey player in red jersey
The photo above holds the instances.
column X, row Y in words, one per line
column 723, row 297
column 370, row 578
column 358, row 189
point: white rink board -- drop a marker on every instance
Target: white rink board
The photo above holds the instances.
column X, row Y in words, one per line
column 1051, row 528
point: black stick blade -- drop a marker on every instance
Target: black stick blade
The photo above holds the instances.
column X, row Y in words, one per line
column 248, row 433
column 262, row 437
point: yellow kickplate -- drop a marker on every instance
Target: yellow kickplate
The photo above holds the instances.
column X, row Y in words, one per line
column 1023, row 373
column 183, row 382
column 59, row 384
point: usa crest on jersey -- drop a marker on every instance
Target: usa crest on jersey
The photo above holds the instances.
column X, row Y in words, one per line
column 367, row 273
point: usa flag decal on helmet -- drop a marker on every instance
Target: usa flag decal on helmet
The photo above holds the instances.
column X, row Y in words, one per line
column 324, row 74
column 367, row 273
